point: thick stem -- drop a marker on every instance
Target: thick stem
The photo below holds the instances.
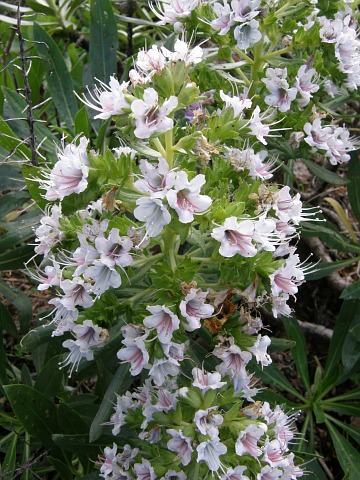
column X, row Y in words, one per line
column 169, row 148
column 159, row 146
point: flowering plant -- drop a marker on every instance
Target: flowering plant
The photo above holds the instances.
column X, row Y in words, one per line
column 163, row 249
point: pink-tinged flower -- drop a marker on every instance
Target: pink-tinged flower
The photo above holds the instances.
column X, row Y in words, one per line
column 206, row 381
column 162, row 369
column 339, row 144
column 248, row 439
column 247, row 34
column 109, row 99
column 180, row 445
column 108, row 462
column 235, row 237
column 173, row 11
column 84, row 255
column 134, row 353
column 89, row 335
column 150, row 117
column 259, row 349
column 235, row 474
column 245, row 10
column 194, row 309
column 155, row 179
column 166, row 400
column 234, row 359
column 172, row 475
column 127, row 457
column 273, row 454
column 330, row 30
column 236, row 103
column 182, row 52
column 103, row 277
column 163, row 320
column 144, row 470
column 49, row 233
column 207, row 422
column 151, row 61
column 279, row 306
column 69, row 174
column 317, row 136
column 225, row 17
column 76, row 293
column 281, row 95
column 50, row 277
column 154, row 213
column 77, row 353
column 64, row 318
column 114, row 250
column 287, row 208
column 265, row 234
column 257, row 127
column 209, row 452
column 292, row 472
column 247, row 159
column 245, row 384
column 269, row 473
column 347, row 50
column 305, row 85
column 118, row 419
column 288, row 277
column 185, row 197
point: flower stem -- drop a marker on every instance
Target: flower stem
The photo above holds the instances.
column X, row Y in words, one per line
column 168, row 247
column 169, row 154
column 277, row 52
column 159, row 146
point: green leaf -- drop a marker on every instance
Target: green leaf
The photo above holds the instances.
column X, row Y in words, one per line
column 15, row 258
column 103, row 40
column 35, row 411
column 61, row 468
column 352, row 292
column 349, row 310
column 11, row 201
column 20, row 301
column 348, row 456
column 10, row 141
column 37, row 336
column 50, row 378
column 81, row 444
column 325, row 268
column 299, row 351
column 59, row 81
column 330, row 235
column 354, row 432
column 70, row 422
column 119, row 383
column 344, row 408
column 353, row 186
column 10, row 177
column 326, row 175
column 8, row 464
column 82, row 125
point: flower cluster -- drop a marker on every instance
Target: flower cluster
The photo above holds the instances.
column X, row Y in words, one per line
column 170, row 244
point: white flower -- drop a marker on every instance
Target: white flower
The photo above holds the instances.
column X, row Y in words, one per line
column 235, row 237
column 49, row 232
column 108, row 101
column 281, row 95
column 155, row 179
column 76, row 293
column 89, row 335
column 234, row 360
column 150, row 117
column 144, row 470
column 304, row 84
column 259, row 349
column 103, row 277
column 257, row 127
column 162, row 369
column 205, row 380
column 150, row 61
column 185, row 197
column 70, row 173
column 273, row 454
column 163, row 320
column 172, row 11
column 287, row 278
column 134, row 353
column 210, row 451
column 247, row 34
column 245, row 10
column 235, row 474
column 193, row 308
column 183, row 53
column 154, row 213
column 225, row 17
column 180, row 445
column 114, row 250
column 77, row 353
column 172, row 475
column 236, row 103
column 207, row 422
column 247, row 441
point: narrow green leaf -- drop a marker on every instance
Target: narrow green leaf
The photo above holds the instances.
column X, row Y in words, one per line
column 326, row 175
column 50, row 378
column 352, row 292
column 349, row 310
column 37, row 336
column 103, row 40
column 71, row 422
column 59, row 80
column 345, row 408
column 82, row 125
column 35, row 411
column 8, row 465
column 20, row 301
column 81, row 444
column 10, row 141
column 15, row 259
column 353, row 395
column 329, row 233
column 10, row 177
column 354, row 432
column 299, row 351
column 8, row 323
column 348, row 456
column 11, row 201
column 353, row 186
column 119, row 384
column 342, row 216
column 325, row 268
column 61, row 468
